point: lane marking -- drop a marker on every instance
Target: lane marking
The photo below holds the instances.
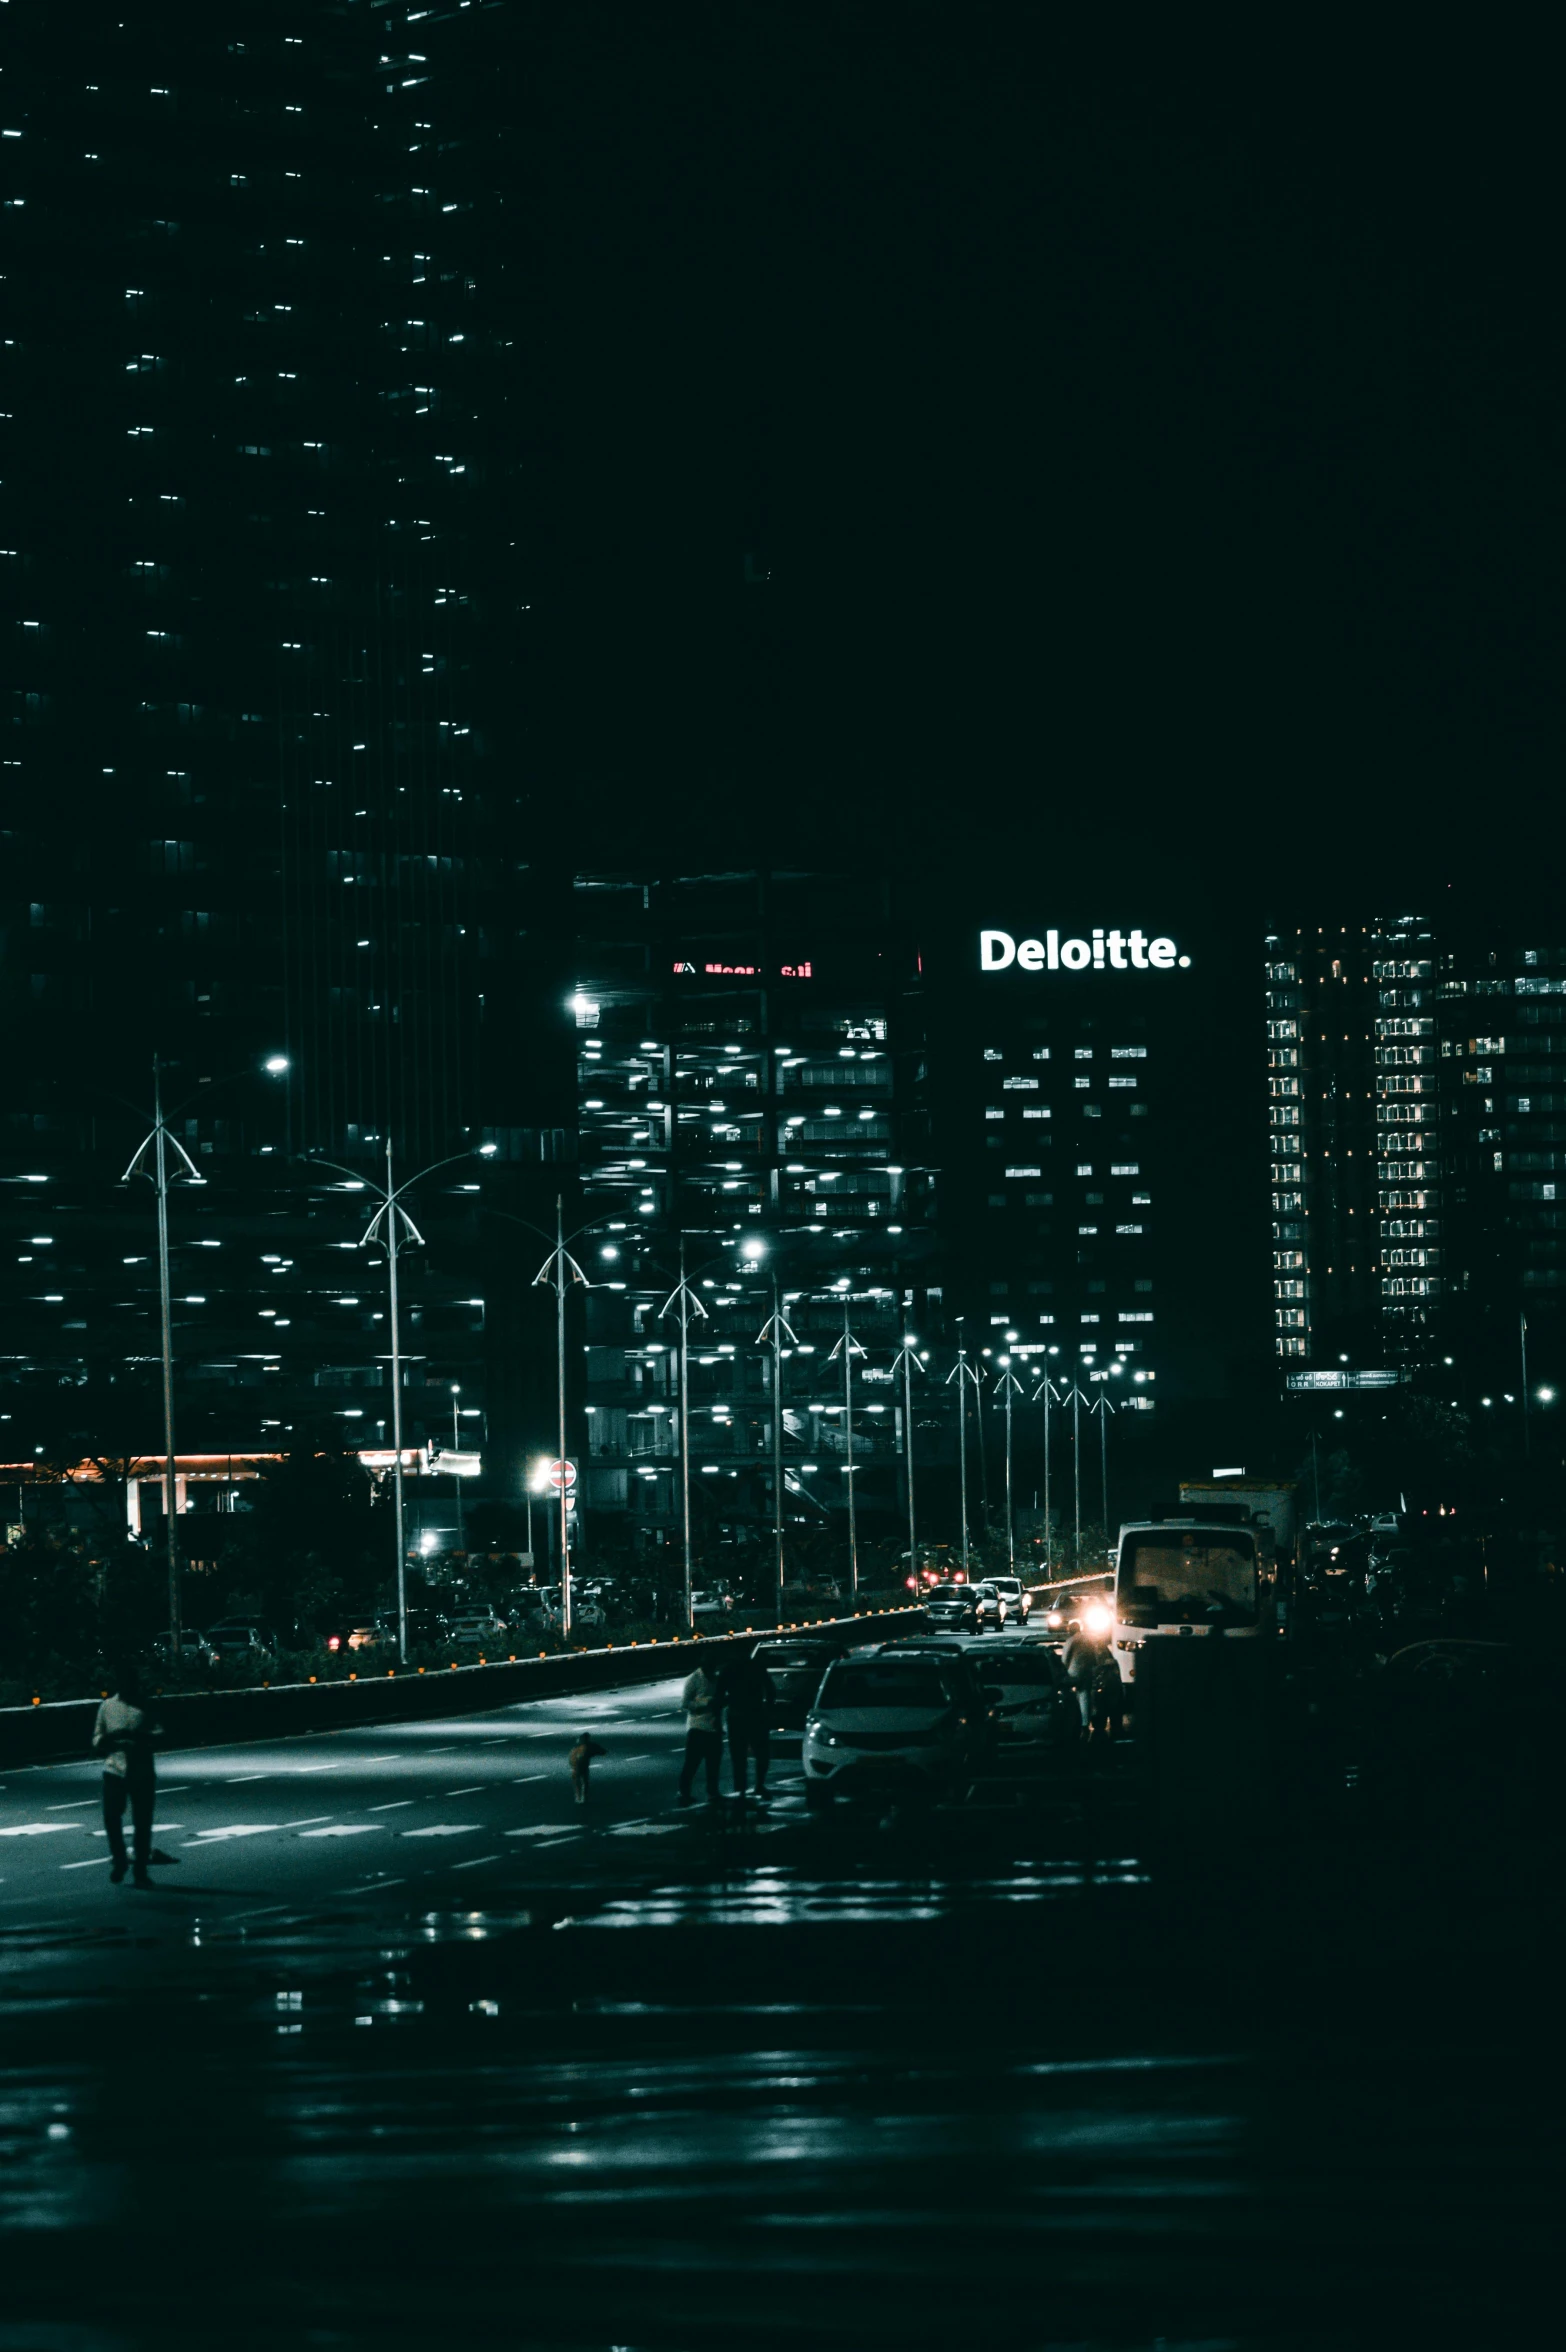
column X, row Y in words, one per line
column 305, row 1819
column 478, row 1862
column 92, row 1862
column 525, row 1779
column 74, row 1806
column 240, row 1778
column 345, row 1829
column 444, row 1829
column 375, row 1887
column 396, row 1805
column 38, row 1828
column 476, row 1790
column 213, row 1837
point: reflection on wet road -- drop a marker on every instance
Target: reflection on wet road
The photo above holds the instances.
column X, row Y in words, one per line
column 751, row 2079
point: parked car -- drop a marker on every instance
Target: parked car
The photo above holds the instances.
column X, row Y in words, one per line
column 952, row 1604
column 1035, row 1705
column 480, row 1629
column 1016, row 1600
column 893, row 1720
column 794, row 1667
column 240, row 1639
column 194, row 1648
column 711, row 1603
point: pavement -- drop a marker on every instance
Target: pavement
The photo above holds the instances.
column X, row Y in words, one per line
column 414, row 1811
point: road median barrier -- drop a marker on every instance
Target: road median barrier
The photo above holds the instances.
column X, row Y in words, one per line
column 47, row 1731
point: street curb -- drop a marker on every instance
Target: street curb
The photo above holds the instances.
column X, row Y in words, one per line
column 58, row 1728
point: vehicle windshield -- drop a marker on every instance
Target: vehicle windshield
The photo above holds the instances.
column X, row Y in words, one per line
column 884, row 1686
column 1203, row 1577
column 1038, row 1667
column 791, row 1657
column 951, row 1592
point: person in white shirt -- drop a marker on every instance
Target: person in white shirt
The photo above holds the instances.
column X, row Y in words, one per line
column 123, row 1735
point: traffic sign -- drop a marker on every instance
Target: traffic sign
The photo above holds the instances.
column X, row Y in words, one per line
column 562, row 1476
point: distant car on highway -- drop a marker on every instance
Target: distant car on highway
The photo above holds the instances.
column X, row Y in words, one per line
column 1015, row 1597
column 952, row 1604
column 1067, row 1613
column 989, row 1610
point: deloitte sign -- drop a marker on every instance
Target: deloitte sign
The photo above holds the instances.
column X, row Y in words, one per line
column 1115, row 951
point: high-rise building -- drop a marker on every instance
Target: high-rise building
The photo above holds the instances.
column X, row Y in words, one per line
column 752, row 1093
column 260, row 801
column 1354, row 1115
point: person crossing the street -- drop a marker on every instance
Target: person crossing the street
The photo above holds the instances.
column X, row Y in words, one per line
column 123, row 1736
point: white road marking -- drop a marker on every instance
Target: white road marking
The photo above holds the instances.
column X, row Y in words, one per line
column 444, row 1829
column 474, row 1791
column 343, row 1829
column 544, row 1829
column 375, row 1886
column 524, row 1779
column 307, row 1820
column 396, row 1805
column 91, row 1860
column 74, row 1806
column 213, row 1837
column 478, row 1862
column 38, row 1828
column 240, row 1778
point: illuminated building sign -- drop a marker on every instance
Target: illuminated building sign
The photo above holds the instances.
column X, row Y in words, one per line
column 1116, row 951
column 799, row 971
column 1376, row 1378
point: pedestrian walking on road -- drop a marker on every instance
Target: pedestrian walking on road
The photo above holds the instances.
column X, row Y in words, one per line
column 1083, row 1659
column 702, row 1700
column 751, row 1704
column 123, row 1735
column 582, row 1764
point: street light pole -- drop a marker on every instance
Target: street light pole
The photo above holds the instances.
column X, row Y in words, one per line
column 848, row 1347
column 1103, row 1408
column 558, row 1271
column 904, row 1361
column 456, row 1447
column 959, row 1373
column 775, row 1329
column 1522, row 1343
column 392, row 1226
column 686, row 1299
column 1012, row 1387
column 152, row 1161
column 1076, row 1476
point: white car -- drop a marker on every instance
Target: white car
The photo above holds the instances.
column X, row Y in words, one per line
column 894, row 1719
column 1016, row 1602
column 477, row 1632
column 711, row 1604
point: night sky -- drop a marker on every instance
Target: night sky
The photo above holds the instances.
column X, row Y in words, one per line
column 1153, row 449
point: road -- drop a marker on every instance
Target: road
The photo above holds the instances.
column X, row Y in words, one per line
column 418, row 1810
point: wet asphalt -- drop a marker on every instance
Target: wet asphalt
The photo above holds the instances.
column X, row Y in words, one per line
column 482, row 2068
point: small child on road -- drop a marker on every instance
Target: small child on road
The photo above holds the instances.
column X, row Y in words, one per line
column 582, row 1763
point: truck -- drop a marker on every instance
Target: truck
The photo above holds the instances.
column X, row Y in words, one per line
column 1268, row 1505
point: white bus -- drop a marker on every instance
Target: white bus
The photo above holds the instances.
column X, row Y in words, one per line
column 1184, row 1578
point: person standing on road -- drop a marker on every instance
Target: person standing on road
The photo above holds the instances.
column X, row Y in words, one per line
column 123, row 1735
column 752, row 1704
column 1083, row 1660
column 581, row 1760
column 702, row 1699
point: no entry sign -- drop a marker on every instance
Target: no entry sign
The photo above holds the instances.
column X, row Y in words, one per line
column 562, row 1476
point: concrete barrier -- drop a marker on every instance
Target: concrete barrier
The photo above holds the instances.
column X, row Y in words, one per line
column 211, row 1719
